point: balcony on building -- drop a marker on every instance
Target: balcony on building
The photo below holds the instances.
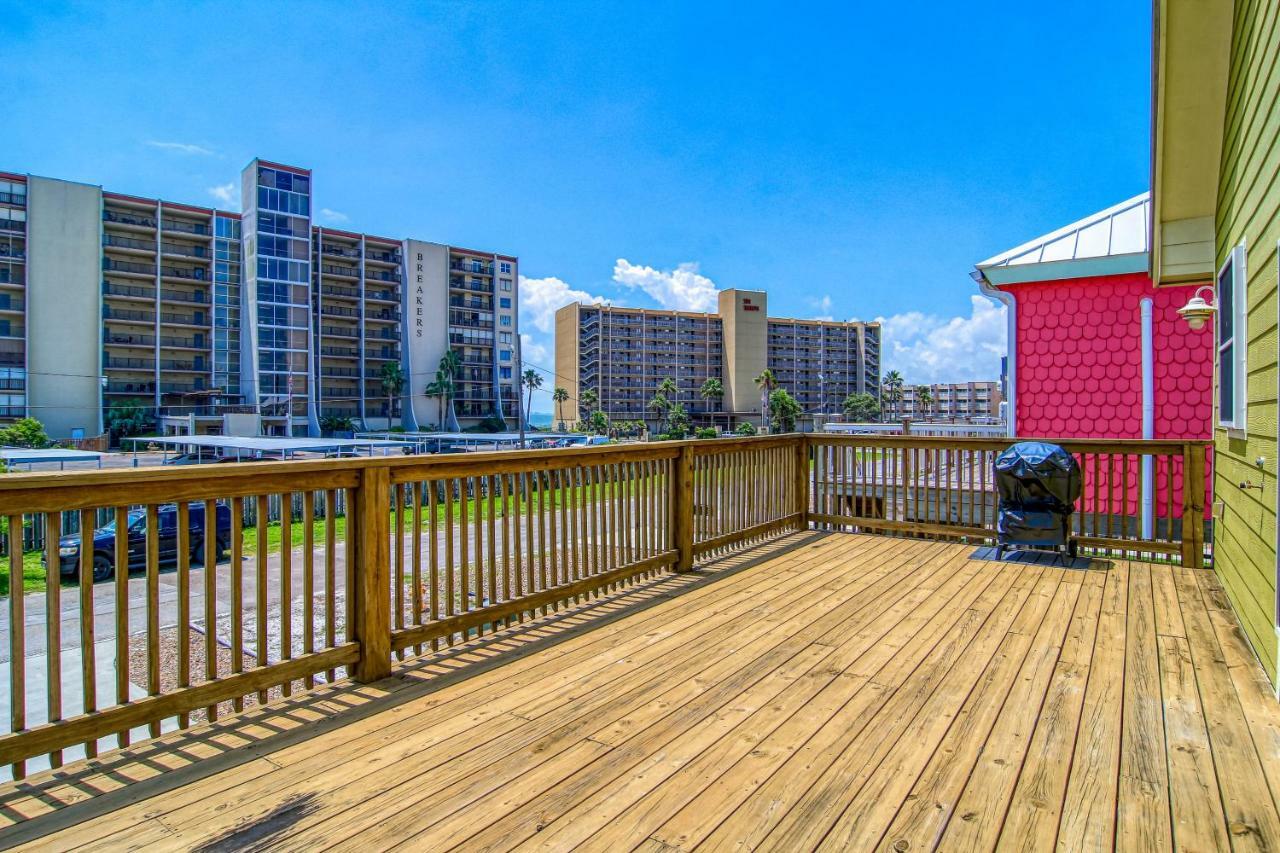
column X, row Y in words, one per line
column 339, row 291
column 341, row 272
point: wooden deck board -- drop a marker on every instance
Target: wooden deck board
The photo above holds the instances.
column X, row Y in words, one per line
column 828, row 690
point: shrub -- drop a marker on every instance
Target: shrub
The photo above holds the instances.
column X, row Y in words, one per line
column 26, row 432
column 746, row 428
column 705, row 432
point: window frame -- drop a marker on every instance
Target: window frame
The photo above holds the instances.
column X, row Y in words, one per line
column 1237, row 263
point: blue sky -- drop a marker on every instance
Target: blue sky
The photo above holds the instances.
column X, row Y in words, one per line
column 852, row 159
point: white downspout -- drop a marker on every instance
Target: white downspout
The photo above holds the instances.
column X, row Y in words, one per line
column 1011, row 346
column 1148, row 422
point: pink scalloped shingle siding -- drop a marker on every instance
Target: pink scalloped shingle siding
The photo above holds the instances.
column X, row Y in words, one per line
column 1079, row 370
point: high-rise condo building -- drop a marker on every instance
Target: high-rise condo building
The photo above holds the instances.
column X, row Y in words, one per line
column 195, row 312
column 621, row 354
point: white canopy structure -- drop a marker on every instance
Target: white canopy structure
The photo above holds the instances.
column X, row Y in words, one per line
column 15, row 457
column 1109, row 242
column 258, row 447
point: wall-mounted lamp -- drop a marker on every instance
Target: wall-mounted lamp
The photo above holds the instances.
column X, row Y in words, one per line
column 1197, row 311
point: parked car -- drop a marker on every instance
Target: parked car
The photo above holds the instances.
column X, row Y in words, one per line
column 199, row 456
column 104, row 540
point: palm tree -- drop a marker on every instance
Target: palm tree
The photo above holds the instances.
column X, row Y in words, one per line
column 448, row 369
column 712, row 389
column 924, row 397
column 558, row 396
column 392, row 385
column 531, row 380
column 442, row 389
column 766, row 382
column 891, row 390
column 588, row 400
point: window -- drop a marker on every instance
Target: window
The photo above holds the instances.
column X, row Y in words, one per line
column 506, row 285
column 504, row 302
column 504, row 267
column 1232, row 342
column 504, row 372
column 505, row 320
column 505, row 355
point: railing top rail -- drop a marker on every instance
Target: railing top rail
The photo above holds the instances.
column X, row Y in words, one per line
column 1087, row 445
column 68, row 490
column 53, row 491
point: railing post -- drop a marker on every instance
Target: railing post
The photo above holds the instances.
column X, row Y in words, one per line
column 802, row 481
column 1193, row 505
column 372, row 516
column 682, row 507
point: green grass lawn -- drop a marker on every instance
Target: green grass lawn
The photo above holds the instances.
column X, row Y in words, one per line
column 33, row 575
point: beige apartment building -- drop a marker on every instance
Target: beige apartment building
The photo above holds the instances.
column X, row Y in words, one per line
column 199, row 312
column 958, row 402
column 623, row 353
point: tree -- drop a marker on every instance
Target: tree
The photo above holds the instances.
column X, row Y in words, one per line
column 588, row 400
column 766, row 382
column 861, row 408
column 532, row 381
column 676, row 423
column 783, row 411
column 558, row 396
column 127, row 417
column 441, row 388
column 924, row 398
column 25, row 432
column 451, row 364
column 598, row 423
column 392, row 384
column 664, row 399
column 712, row 389
column 331, row 424
column 891, row 391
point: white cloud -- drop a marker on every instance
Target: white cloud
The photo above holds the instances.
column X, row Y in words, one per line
column 334, row 215
column 539, row 300
column 541, row 297
column 823, row 306
column 182, row 148
column 928, row 348
column 681, row 289
column 534, row 353
column 227, row 194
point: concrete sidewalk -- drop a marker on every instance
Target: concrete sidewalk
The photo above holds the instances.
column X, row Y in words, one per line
column 36, row 694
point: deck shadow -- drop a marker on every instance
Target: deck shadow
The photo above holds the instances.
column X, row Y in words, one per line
column 93, row 788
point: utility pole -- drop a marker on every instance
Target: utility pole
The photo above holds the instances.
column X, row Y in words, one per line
column 288, row 406
column 520, row 392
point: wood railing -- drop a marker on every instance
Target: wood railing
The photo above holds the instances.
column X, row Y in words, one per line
column 1145, row 498
column 373, row 560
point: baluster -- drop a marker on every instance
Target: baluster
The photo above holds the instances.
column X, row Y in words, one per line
column 184, row 603
column 433, row 553
column 237, row 595
column 89, row 681
column 260, row 589
column 330, row 572
column 153, row 606
column 308, row 579
column 18, row 640
column 121, row 570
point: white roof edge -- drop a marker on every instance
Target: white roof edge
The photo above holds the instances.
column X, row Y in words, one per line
column 1039, row 242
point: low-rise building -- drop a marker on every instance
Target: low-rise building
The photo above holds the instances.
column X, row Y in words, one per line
column 955, row 402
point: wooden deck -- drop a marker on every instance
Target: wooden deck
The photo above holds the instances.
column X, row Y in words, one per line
column 825, row 691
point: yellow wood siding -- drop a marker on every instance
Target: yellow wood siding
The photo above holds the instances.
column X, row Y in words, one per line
column 1249, row 211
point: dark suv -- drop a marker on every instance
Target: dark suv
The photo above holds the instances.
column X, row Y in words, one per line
column 104, row 540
